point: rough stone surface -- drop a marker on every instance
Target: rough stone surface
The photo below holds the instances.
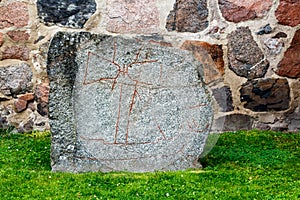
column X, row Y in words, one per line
column 3, row 123
column 39, row 61
column 279, row 127
column 27, row 97
column 288, row 13
column 4, row 111
column 16, row 52
column 292, row 117
column 32, row 107
column 20, row 105
column 27, row 126
column 1, row 39
column 3, row 117
column 22, row 102
column 280, row 35
column 120, row 104
column 223, row 97
column 262, row 126
column 188, row 16
column 14, row 14
column 4, row 97
column 266, row 95
column 18, row 35
column 237, row 10
column 274, row 45
column 42, row 98
column 233, row 122
column 132, row 16
column 264, row 30
column 15, row 79
column 210, row 55
column 245, row 57
column 294, row 120
column 290, row 64
column 67, row 13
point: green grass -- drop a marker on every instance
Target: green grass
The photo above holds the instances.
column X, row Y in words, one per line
column 242, row 165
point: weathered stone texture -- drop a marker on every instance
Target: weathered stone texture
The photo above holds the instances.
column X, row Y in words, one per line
column 288, row 13
column 42, row 98
column 246, row 59
column 121, row 104
column 210, row 55
column 266, row 95
column 264, row 30
column 21, row 102
column 3, row 117
column 290, row 64
column 188, row 16
column 16, row 52
column 274, row 45
column 27, row 126
column 237, row 10
column 20, row 105
column 1, row 39
column 14, row 14
column 292, row 117
column 132, row 16
column 15, row 79
column 27, row 97
column 294, row 120
column 280, row 35
column 233, row 122
column 262, row 126
column 18, row 35
column 223, row 97
column 3, row 122
column 67, row 13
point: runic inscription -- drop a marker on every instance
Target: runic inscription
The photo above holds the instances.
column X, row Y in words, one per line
column 138, row 106
column 120, row 78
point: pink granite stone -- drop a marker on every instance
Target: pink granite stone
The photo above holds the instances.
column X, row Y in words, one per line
column 288, row 12
column 22, row 102
column 14, row 14
column 20, row 105
column 27, row 97
column 1, row 39
column 16, row 52
column 132, row 16
column 243, row 10
column 290, row 64
column 18, row 35
column 42, row 98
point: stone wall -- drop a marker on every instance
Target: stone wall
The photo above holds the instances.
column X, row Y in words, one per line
column 250, row 51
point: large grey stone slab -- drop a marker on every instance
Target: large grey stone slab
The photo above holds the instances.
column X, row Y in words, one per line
column 120, row 104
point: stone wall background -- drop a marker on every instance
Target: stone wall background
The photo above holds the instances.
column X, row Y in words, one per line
column 250, row 51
